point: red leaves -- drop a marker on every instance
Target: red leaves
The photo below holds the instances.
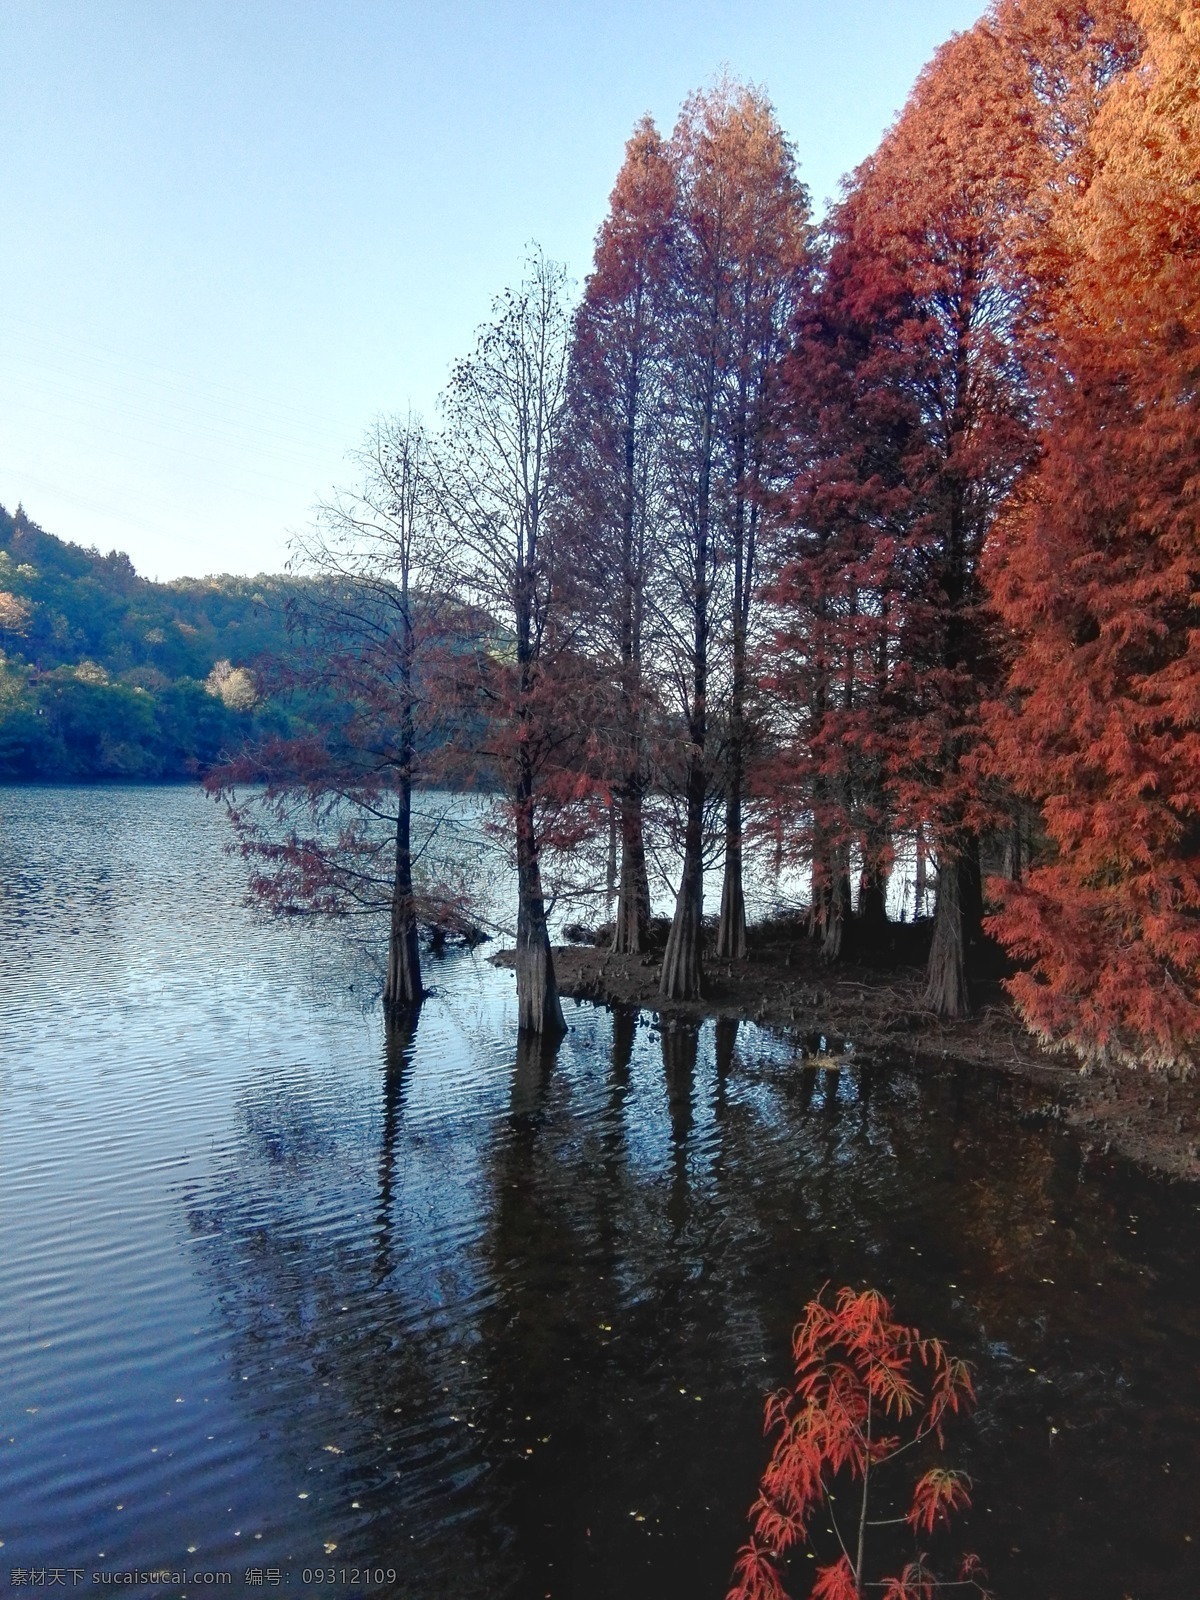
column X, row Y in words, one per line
column 936, row 1495
column 755, row 1576
column 914, row 1583
column 836, row 1582
column 867, row 1391
column 912, row 398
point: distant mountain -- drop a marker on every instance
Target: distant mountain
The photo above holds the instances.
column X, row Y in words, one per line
column 104, row 674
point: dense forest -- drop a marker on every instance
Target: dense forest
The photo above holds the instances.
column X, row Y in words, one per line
column 105, row 675
column 822, row 543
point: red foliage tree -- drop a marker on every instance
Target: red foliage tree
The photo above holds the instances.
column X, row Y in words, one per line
column 1096, row 575
column 739, row 247
column 867, row 1392
column 613, row 468
column 836, row 544
column 377, row 646
column 913, row 392
column 768, row 242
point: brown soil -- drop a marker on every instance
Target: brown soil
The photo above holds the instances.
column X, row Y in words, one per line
column 1154, row 1120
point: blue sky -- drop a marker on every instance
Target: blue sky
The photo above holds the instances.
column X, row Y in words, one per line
column 234, row 231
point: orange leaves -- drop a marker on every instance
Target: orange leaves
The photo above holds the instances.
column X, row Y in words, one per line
column 631, row 250
column 867, row 1391
column 912, row 397
column 1096, row 576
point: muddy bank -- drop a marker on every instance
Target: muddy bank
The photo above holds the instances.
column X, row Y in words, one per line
column 1153, row 1120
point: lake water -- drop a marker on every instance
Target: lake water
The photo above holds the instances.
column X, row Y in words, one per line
column 280, row 1294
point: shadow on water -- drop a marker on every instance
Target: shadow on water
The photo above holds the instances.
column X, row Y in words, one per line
column 500, row 1318
column 551, row 1384
column 399, row 1039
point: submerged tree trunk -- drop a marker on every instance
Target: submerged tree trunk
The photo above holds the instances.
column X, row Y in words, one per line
column 399, row 1037
column 680, row 1044
column 402, row 985
column 539, row 1009
column 536, row 1055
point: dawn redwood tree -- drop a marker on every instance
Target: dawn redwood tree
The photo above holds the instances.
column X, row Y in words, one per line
column 935, row 333
column 1096, row 575
column 768, row 250
column 836, row 538
column 939, row 195
column 380, row 539
column 497, row 495
column 993, row 129
column 691, row 547
column 613, row 470
column 738, row 247
column 374, row 637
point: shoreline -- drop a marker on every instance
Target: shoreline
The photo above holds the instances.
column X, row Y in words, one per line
column 1150, row 1119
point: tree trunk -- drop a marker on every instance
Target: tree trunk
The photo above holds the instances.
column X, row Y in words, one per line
column 837, row 909
column 1013, row 853
column 946, row 990
column 402, row 985
column 682, row 974
column 731, row 933
column 731, row 930
column 538, row 1007
column 872, row 904
column 632, row 932
column 610, row 875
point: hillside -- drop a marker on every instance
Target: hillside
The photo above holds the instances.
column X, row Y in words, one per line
column 104, row 674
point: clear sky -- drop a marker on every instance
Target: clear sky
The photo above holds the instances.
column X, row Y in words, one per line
column 234, row 231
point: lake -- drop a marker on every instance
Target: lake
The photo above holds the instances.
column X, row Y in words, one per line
column 431, row 1315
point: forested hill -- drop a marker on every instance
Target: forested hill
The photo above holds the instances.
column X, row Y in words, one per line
column 104, row 674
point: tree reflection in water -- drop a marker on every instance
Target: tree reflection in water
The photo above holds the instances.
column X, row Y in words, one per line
column 536, row 1324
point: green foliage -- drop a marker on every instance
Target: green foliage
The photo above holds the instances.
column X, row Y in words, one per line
column 104, row 674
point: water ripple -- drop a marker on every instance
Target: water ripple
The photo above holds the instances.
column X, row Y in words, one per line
column 274, row 1282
